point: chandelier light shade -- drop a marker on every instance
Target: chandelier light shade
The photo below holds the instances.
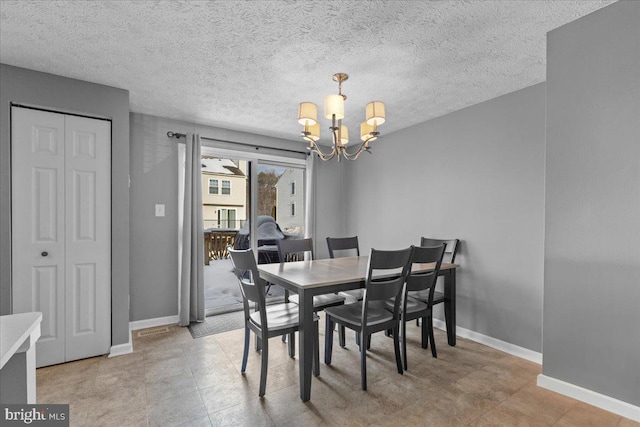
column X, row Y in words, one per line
column 366, row 131
column 344, row 135
column 375, row 113
column 308, row 113
column 334, row 111
column 334, row 106
column 314, row 132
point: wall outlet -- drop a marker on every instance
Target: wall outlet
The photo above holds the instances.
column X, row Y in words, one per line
column 159, row 210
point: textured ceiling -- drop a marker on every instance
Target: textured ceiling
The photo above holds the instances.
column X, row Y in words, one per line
column 246, row 65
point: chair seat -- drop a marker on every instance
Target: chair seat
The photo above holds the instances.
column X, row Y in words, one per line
column 413, row 305
column 352, row 296
column 320, row 302
column 279, row 316
column 351, row 314
column 438, row 297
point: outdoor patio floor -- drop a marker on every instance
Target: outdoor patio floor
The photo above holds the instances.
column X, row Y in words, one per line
column 221, row 290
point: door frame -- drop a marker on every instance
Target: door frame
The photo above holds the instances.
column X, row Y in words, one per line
column 253, row 158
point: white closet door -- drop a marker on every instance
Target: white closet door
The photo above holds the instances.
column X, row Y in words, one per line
column 88, row 237
column 61, row 231
column 38, row 240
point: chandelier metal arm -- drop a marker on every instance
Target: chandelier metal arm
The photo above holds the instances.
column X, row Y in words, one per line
column 313, row 147
column 364, row 147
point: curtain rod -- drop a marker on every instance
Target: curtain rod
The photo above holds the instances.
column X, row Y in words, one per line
column 257, row 147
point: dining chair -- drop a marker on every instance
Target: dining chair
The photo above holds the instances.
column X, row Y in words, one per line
column 292, row 249
column 420, row 281
column 295, row 249
column 385, row 278
column 450, row 251
column 343, row 247
column 266, row 321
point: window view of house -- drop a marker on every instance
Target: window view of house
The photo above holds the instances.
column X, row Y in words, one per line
column 280, row 198
column 224, row 195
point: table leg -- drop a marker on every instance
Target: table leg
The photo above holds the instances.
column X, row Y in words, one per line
column 450, row 305
column 18, row 375
column 305, row 352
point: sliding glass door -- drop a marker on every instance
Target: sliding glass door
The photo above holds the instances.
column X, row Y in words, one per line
column 249, row 201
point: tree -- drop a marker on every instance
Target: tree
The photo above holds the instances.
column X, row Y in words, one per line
column 267, row 192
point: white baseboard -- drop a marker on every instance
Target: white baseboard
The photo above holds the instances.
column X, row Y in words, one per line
column 151, row 323
column 120, row 349
column 524, row 353
column 607, row 403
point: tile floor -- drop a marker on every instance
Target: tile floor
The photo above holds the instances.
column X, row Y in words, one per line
column 172, row 379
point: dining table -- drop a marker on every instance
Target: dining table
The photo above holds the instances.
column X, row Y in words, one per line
column 317, row 277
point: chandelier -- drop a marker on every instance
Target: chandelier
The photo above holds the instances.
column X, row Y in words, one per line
column 334, row 111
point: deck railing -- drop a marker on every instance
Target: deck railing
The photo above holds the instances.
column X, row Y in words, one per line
column 216, row 242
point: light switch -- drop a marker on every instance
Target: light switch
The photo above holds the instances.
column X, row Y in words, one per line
column 159, row 210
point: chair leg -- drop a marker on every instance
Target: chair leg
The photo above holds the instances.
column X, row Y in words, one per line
column 433, row 341
column 396, row 347
column 328, row 340
column 264, row 365
column 341, row 332
column 417, row 322
column 358, row 338
column 425, row 339
column 404, row 345
column 316, row 352
column 245, row 354
column 292, row 344
column 369, row 342
column 363, row 361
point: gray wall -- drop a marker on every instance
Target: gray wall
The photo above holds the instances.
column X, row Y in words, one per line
column 331, row 213
column 20, row 85
column 478, row 175
column 592, row 220
column 154, row 179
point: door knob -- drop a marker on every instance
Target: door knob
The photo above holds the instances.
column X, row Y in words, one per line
column 44, row 253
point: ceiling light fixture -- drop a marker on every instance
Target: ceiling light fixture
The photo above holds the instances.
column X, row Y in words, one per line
column 334, row 111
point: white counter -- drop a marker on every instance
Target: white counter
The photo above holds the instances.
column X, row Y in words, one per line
column 18, row 336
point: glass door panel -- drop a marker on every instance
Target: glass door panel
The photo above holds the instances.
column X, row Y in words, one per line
column 281, row 206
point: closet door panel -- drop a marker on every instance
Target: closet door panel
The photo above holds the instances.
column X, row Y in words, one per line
column 38, row 229
column 88, row 237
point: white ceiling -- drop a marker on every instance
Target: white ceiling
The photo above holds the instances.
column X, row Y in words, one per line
column 246, row 65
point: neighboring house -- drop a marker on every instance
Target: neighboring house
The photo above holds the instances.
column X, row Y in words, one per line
column 224, row 193
column 290, row 201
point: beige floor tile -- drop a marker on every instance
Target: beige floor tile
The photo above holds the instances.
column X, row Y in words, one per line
column 585, row 415
column 200, row 422
column 226, row 393
column 250, row 413
column 126, row 408
column 175, row 411
column 284, row 405
column 172, row 379
column 223, row 371
column 625, row 422
column 162, row 388
column 166, row 368
column 503, row 416
column 538, row 404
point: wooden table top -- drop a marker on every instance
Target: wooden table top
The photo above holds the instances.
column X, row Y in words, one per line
column 327, row 272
